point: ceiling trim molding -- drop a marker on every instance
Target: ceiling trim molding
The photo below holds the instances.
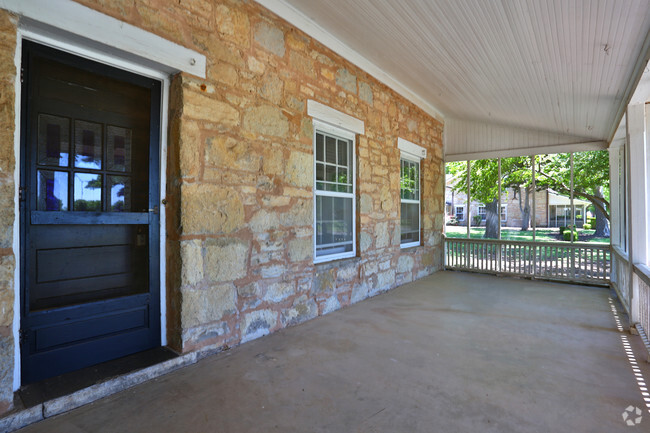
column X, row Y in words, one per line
column 639, row 69
column 510, row 153
column 313, row 29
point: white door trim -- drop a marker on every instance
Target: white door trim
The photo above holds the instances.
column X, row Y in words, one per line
column 82, row 50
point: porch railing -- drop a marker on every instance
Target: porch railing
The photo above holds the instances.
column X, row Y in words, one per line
column 576, row 262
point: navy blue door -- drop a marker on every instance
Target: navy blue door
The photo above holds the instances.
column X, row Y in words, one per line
column 90, row 222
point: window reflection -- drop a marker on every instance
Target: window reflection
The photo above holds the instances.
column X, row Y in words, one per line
column 52, row 190
column 120, row 193
column 87, row 192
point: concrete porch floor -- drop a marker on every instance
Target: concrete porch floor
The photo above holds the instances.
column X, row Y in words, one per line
column 452, row 352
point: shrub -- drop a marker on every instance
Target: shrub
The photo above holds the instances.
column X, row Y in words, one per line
column 587, row 226
column 592, row 221
column 567, row 235
column 562, row 230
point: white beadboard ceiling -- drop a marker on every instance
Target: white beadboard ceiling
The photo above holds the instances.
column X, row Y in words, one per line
column 506, row 75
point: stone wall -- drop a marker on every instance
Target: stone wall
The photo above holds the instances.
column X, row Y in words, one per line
column 7, row 215
column 240, row 177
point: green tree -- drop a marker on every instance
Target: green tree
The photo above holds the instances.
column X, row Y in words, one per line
column 590, row 180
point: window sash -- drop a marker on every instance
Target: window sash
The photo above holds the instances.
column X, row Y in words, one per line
column 410, row 212
column 334, row 198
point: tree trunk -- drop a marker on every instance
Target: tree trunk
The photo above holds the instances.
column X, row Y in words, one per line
column 524, row 208
column 602, row 223
column 492, row 220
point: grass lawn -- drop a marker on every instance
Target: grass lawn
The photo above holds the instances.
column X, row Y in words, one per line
column 515, row 234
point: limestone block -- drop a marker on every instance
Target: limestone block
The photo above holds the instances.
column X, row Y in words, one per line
column 257, row 324
column 266, row 120
column 332, row 304
column 280, row 291
column 210, row 209
column 385, row 279
column 6, row 212
column 202, row 107
column 270, row 38
column 189, row 147
column 365, row 241
column 272, row 88
column 365, row 203
column 223, row 73
column 7, row 268
column 324, row 282
column 208, row 305
column 382, row 236
column 233, row 25
column 300, row 213
column 300, row 169
column 6, row 369
column 302, row 64
column 300, row 249
column 303, row 309
column 228, row 152
column 264, row 221
column 191, row 262
column 225, row 259
column 203, row 334
column 365, row 92
column 256, row 66
column 405, row 264
column 347, row 80
column 359, row 292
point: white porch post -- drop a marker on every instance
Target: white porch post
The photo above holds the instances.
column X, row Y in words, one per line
column 637, row 198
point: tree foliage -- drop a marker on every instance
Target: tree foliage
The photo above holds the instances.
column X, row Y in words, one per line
column 590, row 182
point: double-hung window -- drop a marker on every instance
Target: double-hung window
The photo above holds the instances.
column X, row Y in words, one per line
column 460, row 213
column 411, row 155
column 335, row 206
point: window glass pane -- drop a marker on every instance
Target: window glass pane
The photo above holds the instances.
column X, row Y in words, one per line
column 319, row 147
column 333, row 225
column 52, row 194
column 553, row 180
column 87, row 192
column 330, row 150
column 119, row 188
column 343, row 152
column 320, row 171
column 410, row 222
column 53, row 140
column 88, row 145
column 118, row 148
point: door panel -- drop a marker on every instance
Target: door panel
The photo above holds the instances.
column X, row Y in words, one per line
column 89, row 240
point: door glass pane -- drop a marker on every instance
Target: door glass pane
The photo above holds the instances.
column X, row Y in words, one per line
column 120, row 193
column 88, row 145
column 87, row 192
column 52, row 190
column 118, row 148
column 53, row 140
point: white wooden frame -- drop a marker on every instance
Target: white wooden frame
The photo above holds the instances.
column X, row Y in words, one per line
column 410, row 158
column 328, row 128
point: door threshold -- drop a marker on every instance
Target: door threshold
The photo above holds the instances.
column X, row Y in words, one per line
column 86, row 391
column 69, row 383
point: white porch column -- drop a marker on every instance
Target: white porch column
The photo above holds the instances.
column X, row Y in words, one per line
column 637, row 198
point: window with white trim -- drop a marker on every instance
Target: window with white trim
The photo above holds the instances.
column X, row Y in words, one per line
column 482, row 211
column 460, row 213
column 504, row 213
column 410, row 202
column 335, row 205
column 410, row 156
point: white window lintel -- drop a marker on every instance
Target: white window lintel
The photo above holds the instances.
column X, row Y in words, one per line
column 410, row 150
column 334, row 117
